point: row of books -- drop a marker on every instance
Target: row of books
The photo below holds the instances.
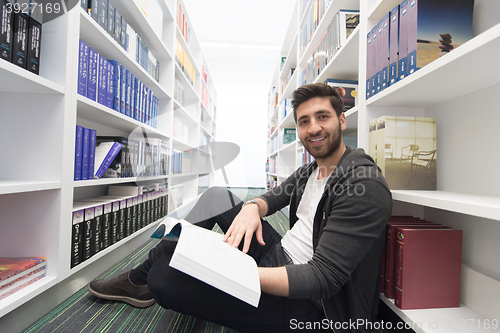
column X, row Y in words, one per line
column 340, row 28
column 100, row 222
column 182, row 59
column 421, row 264
column 304, row 157
column 109, row 83
column 271, row 182
column 181, row 162
column 314, row 15
column 180, row 130
column 287, row 80
column 271, row 165
column 179, row 93
column 412, row 35
column 182, row 23
column 110, row 19
column 18, row 273
column 21, row 33
column 400, row 145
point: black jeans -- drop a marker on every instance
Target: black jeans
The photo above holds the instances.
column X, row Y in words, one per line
column 175, row 290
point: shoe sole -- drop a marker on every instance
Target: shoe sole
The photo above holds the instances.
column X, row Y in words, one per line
column 132, row 301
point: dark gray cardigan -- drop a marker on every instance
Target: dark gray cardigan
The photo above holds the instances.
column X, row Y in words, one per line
column 348, row 238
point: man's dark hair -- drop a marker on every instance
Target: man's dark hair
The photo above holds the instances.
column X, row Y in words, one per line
column 306, row 92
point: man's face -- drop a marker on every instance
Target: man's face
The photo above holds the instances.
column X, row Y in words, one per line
column 319, row 128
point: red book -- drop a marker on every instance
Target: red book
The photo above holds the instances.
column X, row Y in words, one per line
column 428, row 268
column 390, row 249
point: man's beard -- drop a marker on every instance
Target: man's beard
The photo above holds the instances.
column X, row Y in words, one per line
column 330, row 148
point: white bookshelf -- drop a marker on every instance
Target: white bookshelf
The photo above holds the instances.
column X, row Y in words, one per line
column 461, row 91
column 39, row 115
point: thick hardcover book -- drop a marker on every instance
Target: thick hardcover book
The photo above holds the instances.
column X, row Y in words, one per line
column 84, row 4
column 98, row 226
column 83, row 68
column 394, row 45
column 127, row 93
column 129, row 228
column 118, row 27
column 105, row 154
column 94, row 9
column 428, row 268
column 390, row 251
column 437, row 28
column 109, row 84
column 201, row 253
column 103, row 13
column 92, row 147
column 123, row 38
column 77, row 238
column 103, row 218
column 116, row 84
column 6, row 29
column 86, row 154
column 110, row 22
column 20, row 34
column 369, row 60
column 374, row 60
column 115, row 221
column 92, row 78
column 78, row 152
column 34, row 39
column 403, row 39
column 123, row 81
column 102, row 82
column 88, row 233
column 122, row 219
column 385, row 50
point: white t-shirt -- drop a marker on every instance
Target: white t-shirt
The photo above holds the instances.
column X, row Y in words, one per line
column 298, row 242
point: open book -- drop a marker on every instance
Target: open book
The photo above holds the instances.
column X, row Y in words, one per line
column 202, row 254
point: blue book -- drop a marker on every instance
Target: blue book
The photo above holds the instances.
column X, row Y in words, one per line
column 103, row 13
column 105, row 154
column 118, row 27
column 86, row 153
column 94, row 10
column 394, row 46
column 385, row 51
column 93, row 136
column 92, row 79
column 123, row 38
column 132, row 91
column 136, row 90
column 84, row 5
column 110, row 24
column 102, row 84
column 109, row 85
column 78, row 152
column 83, row 68
column 123, row 80
column 403, row 40
column 127, row 93
column 116, row 84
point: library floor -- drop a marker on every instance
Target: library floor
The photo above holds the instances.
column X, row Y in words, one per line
column 82, row 312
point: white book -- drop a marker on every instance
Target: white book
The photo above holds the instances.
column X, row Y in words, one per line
column 202, row 254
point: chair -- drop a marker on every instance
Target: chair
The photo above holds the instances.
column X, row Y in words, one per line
column 408, row 151
column 422, row 159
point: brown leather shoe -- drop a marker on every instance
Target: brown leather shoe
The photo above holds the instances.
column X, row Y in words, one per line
column 122, row 289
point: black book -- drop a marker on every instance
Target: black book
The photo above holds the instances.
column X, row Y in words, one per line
column 6, row 29
column 20, row 34
column 88, row 234
column 77, row 238
column 35, row 40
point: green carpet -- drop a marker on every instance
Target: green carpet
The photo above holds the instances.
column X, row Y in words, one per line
column 83, row 312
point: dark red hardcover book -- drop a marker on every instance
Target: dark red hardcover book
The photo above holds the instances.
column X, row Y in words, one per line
column 428, row 268
column 390, row 251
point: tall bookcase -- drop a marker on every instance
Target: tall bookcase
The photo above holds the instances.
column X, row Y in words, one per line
column 37, row 134
column 460, row 90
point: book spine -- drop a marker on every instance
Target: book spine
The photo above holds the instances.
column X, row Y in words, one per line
column 35, row 40
column 94, row 9
column 89, row 234
column 83, row 68
column 412, row 35
column 6, row 29
column 103, row 13
column 127, row 93
column 123, row 38
column 123, row 81
column 123, row 217
column 116, row 85
column 77, row 238
column 129, row 229
column 108, row 159
column 403, row 40
column 102, row 82
column 110, row 24
column 20, row 34
column 399, row 278
column 106, row 225
column 118, row 27
column 92, row 146
column 109, row 85
column 92, row 78
column 394, row 46
column 115, row 222
column 78, row 152
column 85, row 153
column 85, row 5
column 385, row 51
column 97, row 227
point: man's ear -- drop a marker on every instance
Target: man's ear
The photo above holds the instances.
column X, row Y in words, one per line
column 343, row 122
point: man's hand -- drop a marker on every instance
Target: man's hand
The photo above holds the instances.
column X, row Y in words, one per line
column 244, row 225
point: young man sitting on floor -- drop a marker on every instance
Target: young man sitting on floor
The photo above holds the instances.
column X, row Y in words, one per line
column 323, row 274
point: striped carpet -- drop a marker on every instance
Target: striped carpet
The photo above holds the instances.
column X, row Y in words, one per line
column 83, row 312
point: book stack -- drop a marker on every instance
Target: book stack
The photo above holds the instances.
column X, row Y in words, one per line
column 335, row 36
column 183, row 61
column 313, row 16
column 21, row 33
column 110, row 84
column 144, row 157
column 110, row 19
column 18, row 273
column 101, row 222
column 412, row 35
column 405, row 150
column 182, row 23
column 421, row 265
column 347, row 89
